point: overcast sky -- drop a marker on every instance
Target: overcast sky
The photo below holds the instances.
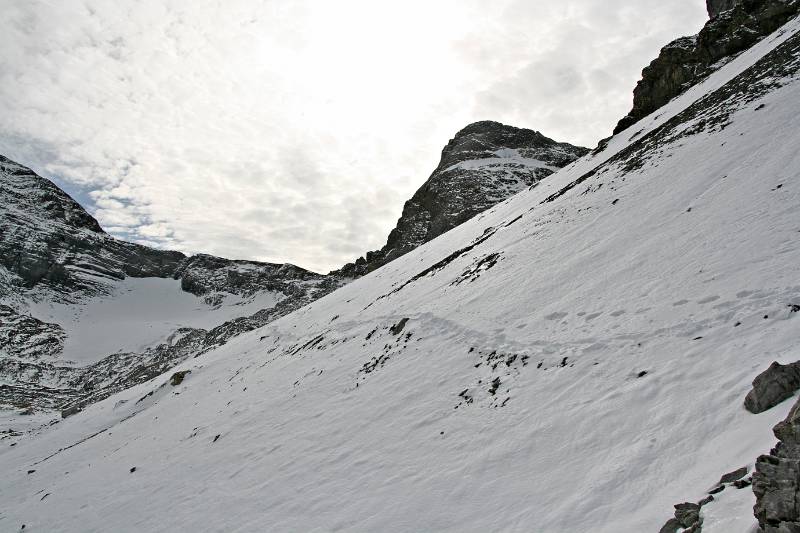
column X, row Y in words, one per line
column 293, row 131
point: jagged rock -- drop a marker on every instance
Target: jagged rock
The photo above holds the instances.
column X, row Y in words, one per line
column 736, row 475
column 774, row 385
column 397, row 328
column 734, row 27
column 705, row 501
column 672, row 526
column 776, row 480
column 715, row 7
column 202, row 274
column 178, row 377
column 687, row 514
column 687, row 517
column 484, row 164
column 72, row 410
column 50, row 243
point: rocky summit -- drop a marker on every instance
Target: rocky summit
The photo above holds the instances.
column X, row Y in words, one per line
column 484, row 164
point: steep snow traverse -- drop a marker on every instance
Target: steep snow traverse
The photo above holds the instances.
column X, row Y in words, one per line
column 552, row 340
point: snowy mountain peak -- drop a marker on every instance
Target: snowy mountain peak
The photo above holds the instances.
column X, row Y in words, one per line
column 485, row 163
column 715, row 7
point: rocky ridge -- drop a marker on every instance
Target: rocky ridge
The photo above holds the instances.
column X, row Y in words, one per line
column 734, row 26
column 485, row 163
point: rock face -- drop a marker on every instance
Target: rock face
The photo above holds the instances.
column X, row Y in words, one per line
column 205, row 274
column 776, row 481
column 715, row 7
column 26, row 337
column 46, row 238
column 484, row 164
column 735, row 26
column 774, row 385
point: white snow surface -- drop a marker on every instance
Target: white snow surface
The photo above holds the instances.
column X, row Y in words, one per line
column 138, row 313
column 731, row 511
column 325, row 420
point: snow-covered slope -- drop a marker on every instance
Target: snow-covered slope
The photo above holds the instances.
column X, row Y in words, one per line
column 84, row 315
column 572, row 360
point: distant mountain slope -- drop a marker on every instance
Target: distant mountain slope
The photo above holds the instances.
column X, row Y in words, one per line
column 574, row 359
column 83, row 314
column 484, row 164
column 48, row 238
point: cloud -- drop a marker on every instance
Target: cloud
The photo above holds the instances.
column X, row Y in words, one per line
column 294, row 131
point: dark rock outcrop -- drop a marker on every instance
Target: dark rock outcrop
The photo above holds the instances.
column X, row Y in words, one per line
column 687, row 518
column 774, row 385
column 484, row 164
column 203, row 274
column 47, row 239
column 178, row 377
column 715, row 7
column 776, row 480
column 736, row 475
column 734, row 27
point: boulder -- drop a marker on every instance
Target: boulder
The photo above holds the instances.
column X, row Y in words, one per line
column 774, row 385
column 776, row 479
column 687, row 514
column 736, row 475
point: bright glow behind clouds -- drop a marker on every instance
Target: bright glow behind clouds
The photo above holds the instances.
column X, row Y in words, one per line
column 294, row 131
